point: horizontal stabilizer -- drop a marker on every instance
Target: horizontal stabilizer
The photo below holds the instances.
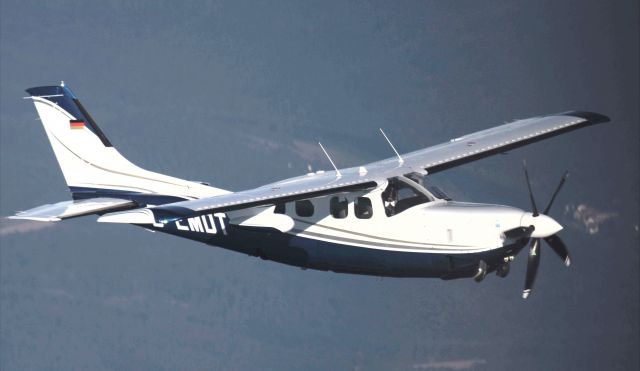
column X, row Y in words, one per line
column 135, row 216
column 74, row 208
column 258, row 218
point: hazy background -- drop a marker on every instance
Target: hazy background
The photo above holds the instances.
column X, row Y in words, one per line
column 238, row 93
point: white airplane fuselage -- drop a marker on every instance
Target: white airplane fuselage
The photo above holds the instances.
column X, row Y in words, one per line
column 437, row 238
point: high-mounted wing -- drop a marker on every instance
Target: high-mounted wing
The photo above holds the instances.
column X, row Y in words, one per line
column 457, row 151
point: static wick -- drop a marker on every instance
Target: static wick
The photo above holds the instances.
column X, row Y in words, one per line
column 400, row 159
column 330, row 160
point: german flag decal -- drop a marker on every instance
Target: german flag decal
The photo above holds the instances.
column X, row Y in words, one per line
column 76, row 124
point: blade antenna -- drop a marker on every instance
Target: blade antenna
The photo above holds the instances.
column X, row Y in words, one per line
column 400, row 159
column 330, row 160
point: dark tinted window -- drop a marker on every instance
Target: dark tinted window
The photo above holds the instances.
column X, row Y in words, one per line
column 304, row 208
column 339, row 207
column 363, row 208
column 281, row 208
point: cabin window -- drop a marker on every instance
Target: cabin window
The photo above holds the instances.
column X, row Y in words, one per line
column 339, row 207
column 399, row 196
column 363, row 208
column 304, row 208
column 281, row 208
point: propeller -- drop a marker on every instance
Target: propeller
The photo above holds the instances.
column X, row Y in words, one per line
column 553, row 240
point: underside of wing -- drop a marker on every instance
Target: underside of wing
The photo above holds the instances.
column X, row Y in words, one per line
column 70, row 209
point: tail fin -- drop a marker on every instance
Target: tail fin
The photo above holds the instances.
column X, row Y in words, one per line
column 91, row 166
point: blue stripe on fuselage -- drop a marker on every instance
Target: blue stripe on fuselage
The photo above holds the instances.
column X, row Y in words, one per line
column 309, row 253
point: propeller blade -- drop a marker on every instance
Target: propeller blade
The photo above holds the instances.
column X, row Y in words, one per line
column 564, row 178
column 532, row 267
column 533, row 201
column 559, row 247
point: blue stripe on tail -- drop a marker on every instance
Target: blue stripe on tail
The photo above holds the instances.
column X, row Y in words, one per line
column 64, row 97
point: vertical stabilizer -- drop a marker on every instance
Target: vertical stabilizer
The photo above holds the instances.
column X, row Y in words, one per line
column 91, row 166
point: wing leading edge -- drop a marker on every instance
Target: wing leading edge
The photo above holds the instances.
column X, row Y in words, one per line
column 433, row 159
column 499, row 139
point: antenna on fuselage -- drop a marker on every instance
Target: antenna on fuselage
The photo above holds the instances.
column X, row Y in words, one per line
column 330, row 160
column 400, row 159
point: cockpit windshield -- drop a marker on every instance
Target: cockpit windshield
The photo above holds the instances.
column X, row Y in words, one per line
column 434, row 191
column 438, row 193
column 402, row 194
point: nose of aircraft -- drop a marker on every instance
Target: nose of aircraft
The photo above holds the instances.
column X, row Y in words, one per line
column 544, row 225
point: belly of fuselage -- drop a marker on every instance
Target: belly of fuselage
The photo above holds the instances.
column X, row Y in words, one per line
column 309, row 253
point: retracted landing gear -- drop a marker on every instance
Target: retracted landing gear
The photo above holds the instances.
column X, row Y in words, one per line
column 481, row 272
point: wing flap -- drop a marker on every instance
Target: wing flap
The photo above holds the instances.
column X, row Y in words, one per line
column 74, row 208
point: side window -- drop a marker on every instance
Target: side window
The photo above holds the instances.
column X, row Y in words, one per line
column 280, row 208
column 339, row 207
column 363, row 208
column 304, row 208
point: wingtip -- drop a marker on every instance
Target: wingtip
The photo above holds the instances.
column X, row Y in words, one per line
column 525, row 294
column 591, row 117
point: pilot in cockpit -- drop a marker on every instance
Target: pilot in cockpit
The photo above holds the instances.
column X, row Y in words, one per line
column 390, row 197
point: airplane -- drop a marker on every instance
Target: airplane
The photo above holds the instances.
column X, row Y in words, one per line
column 381, row 219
